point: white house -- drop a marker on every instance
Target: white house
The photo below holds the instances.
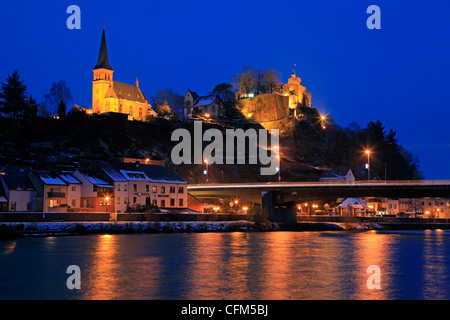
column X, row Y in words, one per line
column 146, row 184
column 73, row 191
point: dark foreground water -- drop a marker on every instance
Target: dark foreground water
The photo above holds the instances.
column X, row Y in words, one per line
column 272, row 265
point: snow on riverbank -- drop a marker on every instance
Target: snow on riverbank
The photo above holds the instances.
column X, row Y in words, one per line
column 361, row 226
column 49, row 228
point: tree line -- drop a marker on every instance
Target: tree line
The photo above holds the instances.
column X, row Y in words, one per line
column 17, row 104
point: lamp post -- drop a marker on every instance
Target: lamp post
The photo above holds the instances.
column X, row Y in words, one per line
column 368, row 164
column 107, row 203
column 278, row 168
column 206, row 171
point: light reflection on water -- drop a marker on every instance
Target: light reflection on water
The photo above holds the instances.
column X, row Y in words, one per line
column 272, row 265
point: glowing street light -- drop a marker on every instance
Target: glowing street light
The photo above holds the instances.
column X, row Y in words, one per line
column 368, row 164
column 323, row 119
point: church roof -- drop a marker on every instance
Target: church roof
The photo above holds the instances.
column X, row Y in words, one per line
column 125, row 91
column 103, row 62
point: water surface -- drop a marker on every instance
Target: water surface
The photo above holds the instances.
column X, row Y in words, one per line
column 238, row 265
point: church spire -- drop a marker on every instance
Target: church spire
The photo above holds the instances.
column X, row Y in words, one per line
column 103, row 54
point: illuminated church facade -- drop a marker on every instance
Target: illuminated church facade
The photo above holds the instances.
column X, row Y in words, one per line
column 114, row 96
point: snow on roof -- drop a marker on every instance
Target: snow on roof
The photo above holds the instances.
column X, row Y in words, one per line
column 68, row 178
column 204, row 101
column 134, row 175
column 115, row 175
column 152, row 173
column 51, row 180
column 97, row 181
column 354, row 202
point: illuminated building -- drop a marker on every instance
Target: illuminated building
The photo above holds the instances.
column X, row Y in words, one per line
column 113, row 96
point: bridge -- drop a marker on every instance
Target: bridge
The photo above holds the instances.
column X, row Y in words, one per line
column 279, row 199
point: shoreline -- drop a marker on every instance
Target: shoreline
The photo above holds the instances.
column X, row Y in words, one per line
column 14, row 230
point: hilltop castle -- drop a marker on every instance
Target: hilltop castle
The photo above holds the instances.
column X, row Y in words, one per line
column 114, row 96
column 278, row 110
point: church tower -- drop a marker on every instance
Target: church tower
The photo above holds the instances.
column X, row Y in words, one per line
column 103, row 78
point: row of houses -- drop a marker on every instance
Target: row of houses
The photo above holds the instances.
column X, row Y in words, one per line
column 111, row 187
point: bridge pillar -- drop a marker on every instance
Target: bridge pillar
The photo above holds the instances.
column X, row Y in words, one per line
column 278, row 213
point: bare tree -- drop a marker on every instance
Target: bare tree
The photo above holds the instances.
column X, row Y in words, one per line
column 58, row 92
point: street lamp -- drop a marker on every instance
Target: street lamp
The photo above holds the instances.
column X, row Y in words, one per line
column 107, row 203
column 206, row 171
column 368, row 164
column 322, row 121
column 278, row 168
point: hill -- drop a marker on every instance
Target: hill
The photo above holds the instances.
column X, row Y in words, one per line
column 79, row 140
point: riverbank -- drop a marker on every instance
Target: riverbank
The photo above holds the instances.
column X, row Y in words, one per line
column 37, row 229
column 11, row 230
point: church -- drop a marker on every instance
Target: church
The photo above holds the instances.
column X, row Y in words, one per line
column 118, row 97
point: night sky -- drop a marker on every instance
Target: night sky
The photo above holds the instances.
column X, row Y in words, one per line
column 399, row 74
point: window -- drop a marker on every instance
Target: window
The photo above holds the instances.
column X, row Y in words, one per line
column 118, row 200
column 87, row 203
column 134, row 200
column 125, row 201
column 118, row 187
column 135, row 187
column 180, row 202
column 172, row 202
column 29, row 206
column 13, row 206
column 163, row 189
column 155, row 189
column 74, row 203
column 180, row 189
column 147, row 188
column 163, row 203
column 125, row 187
column 74, row 188
column 54, row 203
column 172, row 189
column 155, row 203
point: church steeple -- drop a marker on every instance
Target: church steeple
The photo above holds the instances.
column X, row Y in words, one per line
column 103, row 62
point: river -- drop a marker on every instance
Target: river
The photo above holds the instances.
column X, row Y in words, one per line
column 234, row 265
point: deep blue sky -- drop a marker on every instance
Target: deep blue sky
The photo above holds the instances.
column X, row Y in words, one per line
column 399, row 74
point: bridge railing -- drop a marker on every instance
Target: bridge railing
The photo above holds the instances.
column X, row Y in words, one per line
column 326, row 183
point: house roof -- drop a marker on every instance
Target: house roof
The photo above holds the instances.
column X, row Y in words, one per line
column 70, row 179
column 194, row 94
column 153, row 173
column 354, row 202
column 205, row 101
column 335, row 174
column 96, row 181
column 112, row 173
column 134, row 175
column 17, row 182
column 50, row 179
